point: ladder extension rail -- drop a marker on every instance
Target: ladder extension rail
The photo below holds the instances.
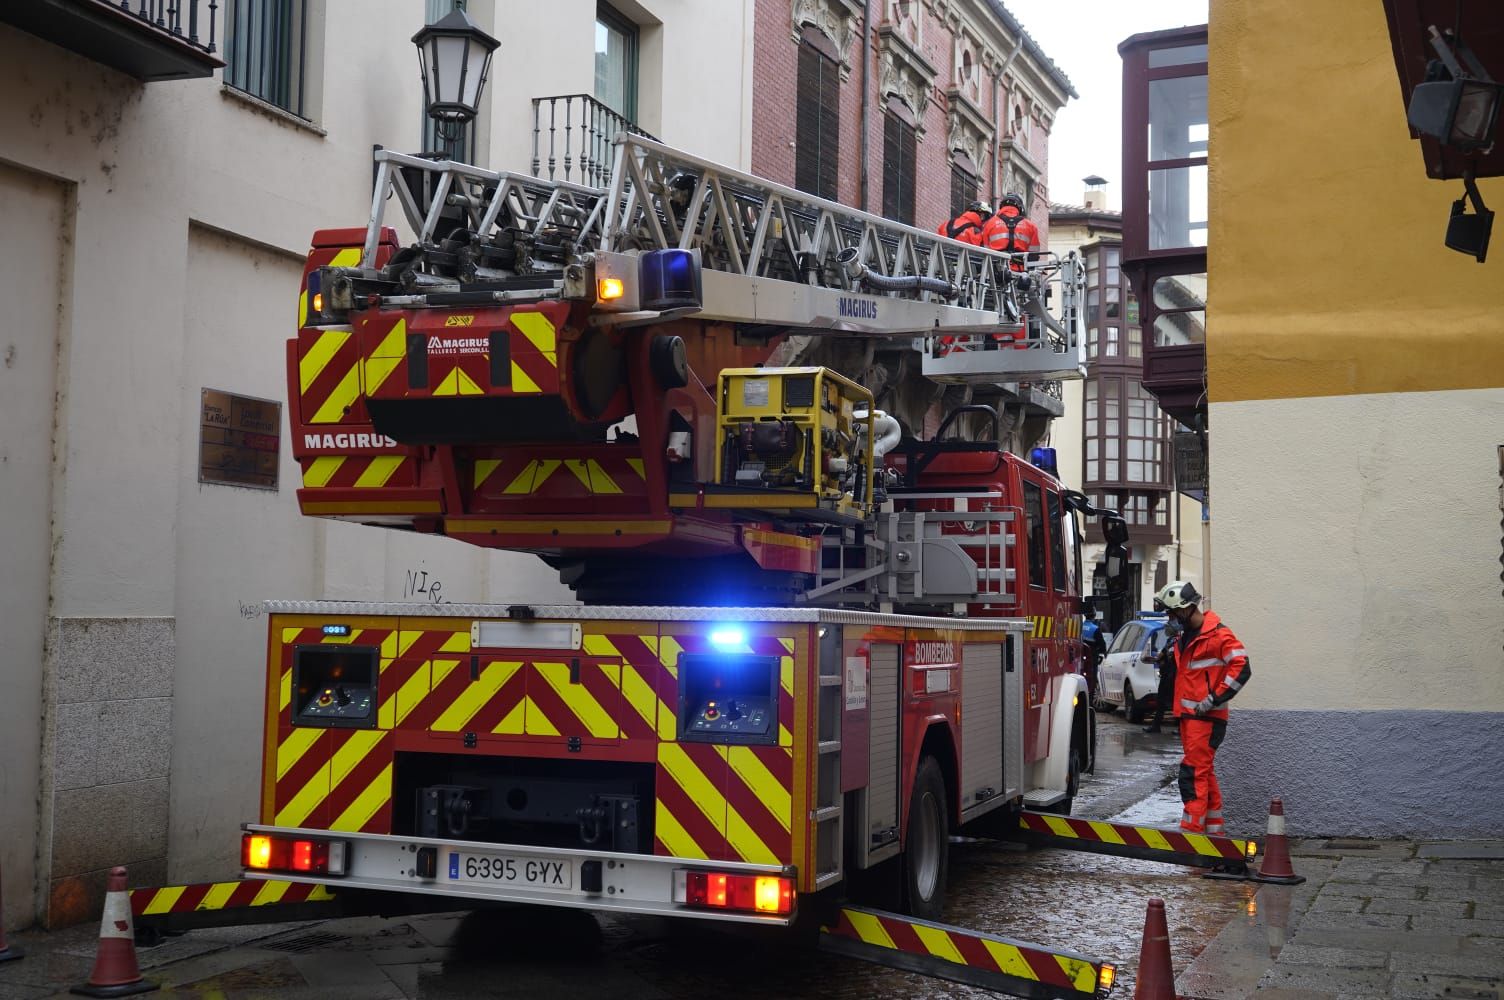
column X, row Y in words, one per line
column 487, row 201
column 662, row 198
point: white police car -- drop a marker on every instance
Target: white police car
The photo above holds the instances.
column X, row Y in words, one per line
column 1128, row 677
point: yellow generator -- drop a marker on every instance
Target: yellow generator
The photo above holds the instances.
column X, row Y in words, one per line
column 796, row 440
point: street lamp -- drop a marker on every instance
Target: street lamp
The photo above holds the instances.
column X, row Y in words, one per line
column 454, row 55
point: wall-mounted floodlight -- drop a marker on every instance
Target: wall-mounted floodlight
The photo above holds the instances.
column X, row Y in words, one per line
column 1458, row 105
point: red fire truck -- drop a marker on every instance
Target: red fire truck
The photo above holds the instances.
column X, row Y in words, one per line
column 808, row 645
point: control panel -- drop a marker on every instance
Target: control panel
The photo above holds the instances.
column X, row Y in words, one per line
column 335, row 686
column 340, row 701
column 746, row 714
column 729, row 697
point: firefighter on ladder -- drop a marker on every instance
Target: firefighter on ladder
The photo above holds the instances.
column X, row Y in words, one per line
column 1011, row 231
column 1211, row 666
column 967, row 227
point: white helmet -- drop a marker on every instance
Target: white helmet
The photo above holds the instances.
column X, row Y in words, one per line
column 1180, row 594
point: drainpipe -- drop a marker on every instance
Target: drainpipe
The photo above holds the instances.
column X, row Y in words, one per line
column 866, row 93
column 1001, row 112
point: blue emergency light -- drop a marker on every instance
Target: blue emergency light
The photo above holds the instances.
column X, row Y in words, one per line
column 671, row 280
column 1044, row 458
column 337, row 630
column 728, row 637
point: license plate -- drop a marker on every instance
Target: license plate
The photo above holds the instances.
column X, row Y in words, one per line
column 505, row 869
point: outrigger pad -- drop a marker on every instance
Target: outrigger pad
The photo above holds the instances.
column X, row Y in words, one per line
column 963, row 956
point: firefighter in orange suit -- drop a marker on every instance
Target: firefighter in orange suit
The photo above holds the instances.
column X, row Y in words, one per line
column 1010, row 230
column 1211, row 666
column 967, row 227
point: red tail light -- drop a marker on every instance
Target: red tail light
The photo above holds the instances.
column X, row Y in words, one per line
column 770, row 894
column 267, row 852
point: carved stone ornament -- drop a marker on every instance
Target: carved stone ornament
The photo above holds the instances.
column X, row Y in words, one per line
column 839, row 20
column 903, row 73
column 967, row 130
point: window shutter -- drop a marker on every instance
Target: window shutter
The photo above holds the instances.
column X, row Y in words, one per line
column 891, row 154
column 899, row 144
column 817, row 124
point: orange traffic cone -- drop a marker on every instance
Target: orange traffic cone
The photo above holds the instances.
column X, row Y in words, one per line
column 1276, row 867
column 1155, row 979
column 7, row 953
column 116, row 973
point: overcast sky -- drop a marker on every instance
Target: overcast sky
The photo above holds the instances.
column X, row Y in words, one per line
column 1082, row 38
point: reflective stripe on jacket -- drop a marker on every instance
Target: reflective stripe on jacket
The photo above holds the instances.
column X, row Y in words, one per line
column 1023, row 237
column 1214, row 664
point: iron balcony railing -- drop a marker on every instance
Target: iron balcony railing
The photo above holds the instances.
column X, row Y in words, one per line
column 581, row 138
column 179, row 18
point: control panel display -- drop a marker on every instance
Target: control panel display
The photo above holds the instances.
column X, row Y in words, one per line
column 747, row 714
column 335, row 686
column 728, row 698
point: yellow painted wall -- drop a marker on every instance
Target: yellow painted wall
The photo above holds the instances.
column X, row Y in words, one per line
column 1328, row 273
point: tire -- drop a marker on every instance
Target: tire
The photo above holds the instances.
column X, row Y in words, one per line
column 1133, row 707
column 1072, row 784
column 926, row 857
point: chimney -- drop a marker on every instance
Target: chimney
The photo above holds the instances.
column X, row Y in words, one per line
column 1096, row 193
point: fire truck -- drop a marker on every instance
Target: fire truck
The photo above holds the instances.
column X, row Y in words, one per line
column 808, row 645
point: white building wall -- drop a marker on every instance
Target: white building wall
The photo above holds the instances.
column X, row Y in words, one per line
column 154, row 239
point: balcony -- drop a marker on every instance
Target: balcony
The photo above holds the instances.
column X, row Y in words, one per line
column 1165, row 158
column 574, row 136
column 151, row 40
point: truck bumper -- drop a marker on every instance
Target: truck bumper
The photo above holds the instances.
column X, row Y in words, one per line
column 514, row 873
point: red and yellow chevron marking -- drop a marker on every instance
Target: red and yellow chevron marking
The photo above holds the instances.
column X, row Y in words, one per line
column 1034, row 971
column 328, row 377
column 718, row 802
column 535, row 357
column 1143, row 840
column 559, row 476
column 359, row 471
column 223, row 896
column 330, row 778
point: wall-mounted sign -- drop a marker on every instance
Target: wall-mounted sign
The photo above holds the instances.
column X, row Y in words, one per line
column 239, row 440
column 1190, row 465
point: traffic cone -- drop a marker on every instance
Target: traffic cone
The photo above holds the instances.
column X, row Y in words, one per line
column 1276, row 867
column 116, row 973
column 7, row 953
column 1155, row 979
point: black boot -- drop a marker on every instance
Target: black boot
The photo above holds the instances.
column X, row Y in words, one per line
column 1153, row 727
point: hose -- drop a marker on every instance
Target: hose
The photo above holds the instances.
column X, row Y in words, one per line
column 887, row 430
column 883, row 283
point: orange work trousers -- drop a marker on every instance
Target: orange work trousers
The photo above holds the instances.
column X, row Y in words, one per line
column 1199, row 740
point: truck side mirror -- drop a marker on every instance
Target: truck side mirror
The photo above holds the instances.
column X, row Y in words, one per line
column 1115, row 531
column 1117, row 568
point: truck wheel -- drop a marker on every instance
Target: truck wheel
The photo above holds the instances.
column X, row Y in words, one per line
column 1072, row 784
column 926, row 860
column 1132, row 707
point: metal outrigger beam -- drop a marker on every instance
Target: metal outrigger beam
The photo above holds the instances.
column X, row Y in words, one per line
column 945, row 952
column 1224, row 856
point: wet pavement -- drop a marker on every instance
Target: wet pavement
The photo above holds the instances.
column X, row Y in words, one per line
column 1223, row 933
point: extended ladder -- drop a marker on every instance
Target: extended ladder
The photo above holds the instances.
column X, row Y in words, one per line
column 772, row 257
